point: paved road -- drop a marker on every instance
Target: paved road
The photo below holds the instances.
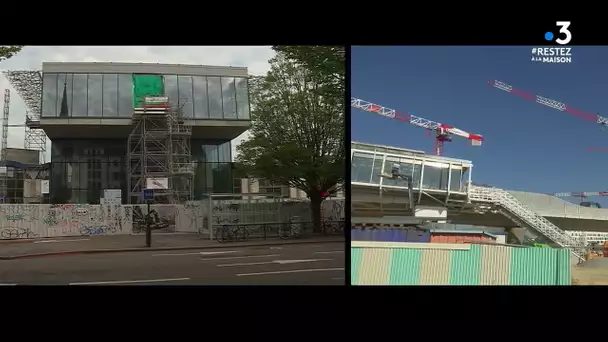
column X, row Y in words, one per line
column 302, row 264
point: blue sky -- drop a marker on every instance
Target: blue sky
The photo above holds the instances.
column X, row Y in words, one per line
column 527, row 146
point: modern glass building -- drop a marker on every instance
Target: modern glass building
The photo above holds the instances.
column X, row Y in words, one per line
column 429, row 173
column 437, row 182
column 87, row 109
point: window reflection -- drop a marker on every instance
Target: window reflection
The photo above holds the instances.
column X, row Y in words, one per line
column 81, row 169
column 79, row 104
column 214, row 89
column 229, row 97
column 110, row 95
column 406, row 168
column 377, row 170
column 125, row 95
column 455, row 179
column 201, row 106
column 186, row 99
column 212, row 178
column 213, row 171
column 435, row 176
column 465, row 178
column 64, row 95
column 242, row 98
column 95, row 95
column 211, row 151
column 171, row 90
column 49, row 95
column 361, row 167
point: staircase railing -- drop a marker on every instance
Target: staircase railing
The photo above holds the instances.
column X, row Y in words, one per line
column 522, row 214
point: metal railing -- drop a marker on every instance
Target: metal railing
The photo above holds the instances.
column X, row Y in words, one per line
column 523, row 215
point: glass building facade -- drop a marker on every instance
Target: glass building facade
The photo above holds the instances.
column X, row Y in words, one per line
column 111, row 95
column 82, row 169
column 427, row 172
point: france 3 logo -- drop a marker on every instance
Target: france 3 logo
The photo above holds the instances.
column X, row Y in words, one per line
column 555, row 54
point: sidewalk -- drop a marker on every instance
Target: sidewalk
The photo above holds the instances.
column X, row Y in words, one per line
column 20, row 249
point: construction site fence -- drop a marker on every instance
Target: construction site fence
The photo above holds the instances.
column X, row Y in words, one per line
column 285, row 230
column 397, row 263
column 23, row 221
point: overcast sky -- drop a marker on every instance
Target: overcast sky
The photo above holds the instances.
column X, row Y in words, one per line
column 31, row 57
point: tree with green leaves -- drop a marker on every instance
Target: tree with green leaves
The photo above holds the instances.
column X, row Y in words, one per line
column 327, row 63
column 297, row 133
column 8, row 51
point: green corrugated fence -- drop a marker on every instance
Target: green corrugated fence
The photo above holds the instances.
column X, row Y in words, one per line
column 394, row 263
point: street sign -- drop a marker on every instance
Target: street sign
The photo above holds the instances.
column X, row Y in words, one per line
column 148, row 194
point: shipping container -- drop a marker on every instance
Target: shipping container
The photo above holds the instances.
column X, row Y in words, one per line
column 390, row 234
column 461, row 237
column 394, row 263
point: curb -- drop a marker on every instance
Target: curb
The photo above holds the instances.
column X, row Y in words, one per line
column 15, row 242
column 158, row 249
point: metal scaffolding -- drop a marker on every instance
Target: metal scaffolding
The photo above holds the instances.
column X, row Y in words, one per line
column 28, row 84
column 4, row 170
column 159, row 154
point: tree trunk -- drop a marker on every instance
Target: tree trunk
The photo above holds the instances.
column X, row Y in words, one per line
column 315, row 209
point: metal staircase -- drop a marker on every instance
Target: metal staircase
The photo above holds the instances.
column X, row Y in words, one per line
column 523, row 215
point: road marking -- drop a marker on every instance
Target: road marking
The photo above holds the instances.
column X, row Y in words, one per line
column 8, row 284
column 196, row 253
column 129, row 281
column 280, row 262
column 244, row 257
column 51, row 241
column 292, row 271
column 276, row 247
column 330, row 252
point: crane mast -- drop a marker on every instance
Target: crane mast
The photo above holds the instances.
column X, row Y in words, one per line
column 443, row 132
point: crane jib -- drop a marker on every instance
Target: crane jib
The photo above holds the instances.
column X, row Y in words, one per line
column 549, row 103
column 412, row 119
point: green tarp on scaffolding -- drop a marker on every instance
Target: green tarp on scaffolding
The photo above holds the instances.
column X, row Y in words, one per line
column 146, row 85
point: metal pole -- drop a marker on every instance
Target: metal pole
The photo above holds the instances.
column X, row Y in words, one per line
column 149, row 228
column 210, row 217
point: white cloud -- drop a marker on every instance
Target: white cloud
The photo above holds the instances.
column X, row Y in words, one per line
column 255, row 58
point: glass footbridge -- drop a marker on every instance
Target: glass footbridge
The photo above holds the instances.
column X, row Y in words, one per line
column 436, row 181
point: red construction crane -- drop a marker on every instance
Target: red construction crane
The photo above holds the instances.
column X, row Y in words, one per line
column 550, row 103
column 443, row 132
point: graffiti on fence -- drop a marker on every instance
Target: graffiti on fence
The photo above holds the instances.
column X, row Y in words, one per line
column 333, row 210
column 20, row 221
column 17, row 233
column 97, row 230
column 161, row 218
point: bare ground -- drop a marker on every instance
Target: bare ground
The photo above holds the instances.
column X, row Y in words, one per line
column 592, row 272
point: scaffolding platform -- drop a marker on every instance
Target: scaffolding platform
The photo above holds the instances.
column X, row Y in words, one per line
column 159, row 152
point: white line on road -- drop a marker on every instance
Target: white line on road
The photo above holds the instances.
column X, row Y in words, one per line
column 292, row 271
column 196, row 253
column 243, row 257
column 330, row 252
column 51, row 241
column 129, row 281
column 8, row 284
column 280, row 262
